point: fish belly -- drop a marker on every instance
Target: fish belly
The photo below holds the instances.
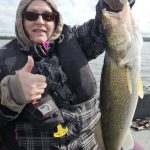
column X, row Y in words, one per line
column 116, row 103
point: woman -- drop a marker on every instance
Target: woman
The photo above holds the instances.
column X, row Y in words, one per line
column 48, row 92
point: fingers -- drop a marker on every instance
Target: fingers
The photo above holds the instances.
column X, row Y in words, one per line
column 41, row 86
column 29, row 65
column 35, row 95
column 35, row 89
column 32, row 85
column 40, row 78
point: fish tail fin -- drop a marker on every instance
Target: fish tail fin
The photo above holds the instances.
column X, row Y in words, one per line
column 129, row 81
column 140, row 87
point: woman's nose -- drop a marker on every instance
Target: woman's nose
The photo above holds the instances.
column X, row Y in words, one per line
column 40, row 20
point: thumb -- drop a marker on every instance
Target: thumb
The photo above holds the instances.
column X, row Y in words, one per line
column 29, row 65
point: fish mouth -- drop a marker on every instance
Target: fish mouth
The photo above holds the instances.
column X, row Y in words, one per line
column 115, row 5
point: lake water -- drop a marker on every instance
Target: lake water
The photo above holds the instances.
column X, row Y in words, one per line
column 96, row 66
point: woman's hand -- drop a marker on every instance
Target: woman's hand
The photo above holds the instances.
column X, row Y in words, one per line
column 33, row 85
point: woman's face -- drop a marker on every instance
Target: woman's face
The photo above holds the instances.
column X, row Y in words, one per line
column 38, row 30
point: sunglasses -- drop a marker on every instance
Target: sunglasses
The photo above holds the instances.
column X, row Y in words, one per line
column 33, row 16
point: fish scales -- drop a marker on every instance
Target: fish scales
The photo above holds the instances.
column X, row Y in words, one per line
column 117, row 105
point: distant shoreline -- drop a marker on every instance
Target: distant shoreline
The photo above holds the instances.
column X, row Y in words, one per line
column 7, row 37
column 146, row 39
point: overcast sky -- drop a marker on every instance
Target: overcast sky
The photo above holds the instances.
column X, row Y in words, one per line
column 74, row 12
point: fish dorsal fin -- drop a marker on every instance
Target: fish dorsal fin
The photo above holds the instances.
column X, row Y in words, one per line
column 140, row 87
column 129, row 81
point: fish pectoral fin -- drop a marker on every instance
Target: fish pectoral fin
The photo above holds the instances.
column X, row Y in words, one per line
column 139, row 84
column 129, row 80
column 140, row 87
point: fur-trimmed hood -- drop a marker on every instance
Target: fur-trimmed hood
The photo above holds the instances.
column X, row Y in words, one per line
column 20, row 33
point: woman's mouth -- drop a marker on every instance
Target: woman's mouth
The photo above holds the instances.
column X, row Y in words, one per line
column 39, row 31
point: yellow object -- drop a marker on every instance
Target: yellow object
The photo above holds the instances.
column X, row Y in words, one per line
column 129, row 81
column 140, row 88
column 139, row 85
column 60, row 131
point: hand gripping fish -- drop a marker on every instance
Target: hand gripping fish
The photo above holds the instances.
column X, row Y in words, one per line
column 120, row 79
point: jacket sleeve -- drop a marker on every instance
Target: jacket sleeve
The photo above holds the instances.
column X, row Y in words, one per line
column 90, row 35
column 6, row 114
column 9, row 106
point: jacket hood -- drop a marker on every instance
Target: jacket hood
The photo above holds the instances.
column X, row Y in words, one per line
column 20, row 33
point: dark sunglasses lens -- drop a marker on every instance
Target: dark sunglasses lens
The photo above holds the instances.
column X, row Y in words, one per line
column 48, row 16
column 31, row 16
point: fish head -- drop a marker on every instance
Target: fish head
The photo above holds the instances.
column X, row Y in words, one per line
column 118, row 36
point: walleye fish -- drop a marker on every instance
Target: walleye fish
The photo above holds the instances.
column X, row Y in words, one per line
column 120, row 79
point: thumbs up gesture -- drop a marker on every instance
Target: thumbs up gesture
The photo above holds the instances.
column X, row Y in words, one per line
column 32, row 85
